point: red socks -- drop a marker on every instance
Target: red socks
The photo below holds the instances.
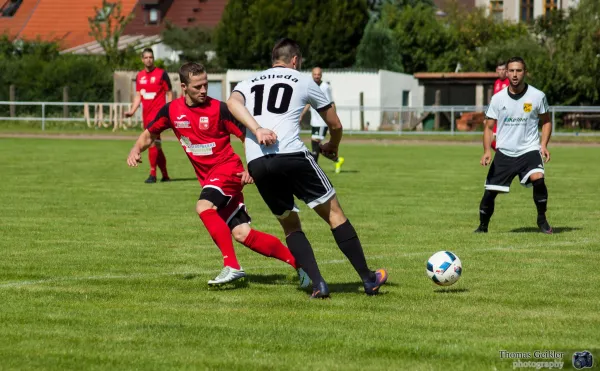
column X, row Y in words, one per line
column 268, row 245
column 152, row 157
column 161, row 161
column 220, row 233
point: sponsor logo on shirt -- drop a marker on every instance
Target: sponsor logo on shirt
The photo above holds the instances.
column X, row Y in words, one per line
column 182, row 124
column 152, row 79
column 527, row 107
column 143, row 80
column 196, row 149
column 203, row 123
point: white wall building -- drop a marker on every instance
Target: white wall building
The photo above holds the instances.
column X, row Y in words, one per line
column 381, row 89
column 523, row 10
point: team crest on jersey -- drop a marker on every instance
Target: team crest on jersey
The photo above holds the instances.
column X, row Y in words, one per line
column 203, row 123
column 152, row 79
column 143, row 80
column 527, row 107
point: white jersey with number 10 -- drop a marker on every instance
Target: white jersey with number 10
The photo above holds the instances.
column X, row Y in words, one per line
column 276, row 98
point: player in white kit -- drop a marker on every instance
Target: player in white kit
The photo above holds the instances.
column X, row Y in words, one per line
column 517, row 110
column 318, row 127
column 269, row 105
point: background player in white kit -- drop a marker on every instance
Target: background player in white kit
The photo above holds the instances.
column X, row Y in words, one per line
column 517, row 111
column 269, row 105
column 318, row 127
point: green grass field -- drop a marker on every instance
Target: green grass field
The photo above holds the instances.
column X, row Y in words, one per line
column 101, row 271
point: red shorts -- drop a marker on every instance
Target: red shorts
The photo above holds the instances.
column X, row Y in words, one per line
column 229, row 199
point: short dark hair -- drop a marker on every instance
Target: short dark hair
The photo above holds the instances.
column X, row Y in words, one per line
column 190, row 69
column 518, row 60
column 147, row 50
column 284, row 50
column 501, row 63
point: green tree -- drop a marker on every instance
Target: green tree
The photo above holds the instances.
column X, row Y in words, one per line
column 106, row 27
column 193, row 43
column 328, row 31
column 378, row 49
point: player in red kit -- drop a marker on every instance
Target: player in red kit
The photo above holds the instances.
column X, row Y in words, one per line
column 203, row 126
column 501, row 83
column 153, row 90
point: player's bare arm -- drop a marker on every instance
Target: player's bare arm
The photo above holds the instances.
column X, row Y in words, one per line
column 237, row 107
column 488, row 135
column 546, row 134
column 169, row 96
column 306, row 108
column 136, row 104
column 330, row 149
column 143, row 142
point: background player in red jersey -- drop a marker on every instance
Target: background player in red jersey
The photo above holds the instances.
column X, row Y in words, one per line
column 153, row 90
column 203, row 126
column 501, row 83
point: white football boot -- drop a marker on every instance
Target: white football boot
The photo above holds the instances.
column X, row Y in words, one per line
column 228, row 275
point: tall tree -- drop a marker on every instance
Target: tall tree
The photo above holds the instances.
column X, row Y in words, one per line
column 328, row 31
column 193, row 43
column 106, row 27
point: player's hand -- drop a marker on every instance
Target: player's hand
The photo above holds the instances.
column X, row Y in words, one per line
column 545, row 154
column 266, row 136
column 245, row 177
column 129, row 114
column 329, row 150
column 486, row 158
column 134, row 158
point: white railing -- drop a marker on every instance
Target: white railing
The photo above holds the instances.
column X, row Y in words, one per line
column 454, row 120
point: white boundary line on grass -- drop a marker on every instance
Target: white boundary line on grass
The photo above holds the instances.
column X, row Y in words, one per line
column 336, row 261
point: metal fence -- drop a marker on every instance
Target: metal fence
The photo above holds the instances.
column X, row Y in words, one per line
column 452, row 120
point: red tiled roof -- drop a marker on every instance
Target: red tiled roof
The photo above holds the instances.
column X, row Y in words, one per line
column 65, row 21
column 13, row 25
column 182, row 13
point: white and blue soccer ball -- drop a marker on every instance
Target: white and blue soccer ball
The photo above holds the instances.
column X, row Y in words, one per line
column 444, row 268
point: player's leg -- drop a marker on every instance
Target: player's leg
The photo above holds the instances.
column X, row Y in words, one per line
column 276, row 191
column 311, row 185
column 152, row 158
column 265, row 244
column 161, row 161
column 532, row 175
column 315, row 141
column 503, row 170
column 206, row 207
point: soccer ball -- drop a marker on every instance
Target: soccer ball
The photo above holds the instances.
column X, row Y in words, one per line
column 444, row 268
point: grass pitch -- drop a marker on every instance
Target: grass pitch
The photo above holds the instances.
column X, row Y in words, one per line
column 101, row 271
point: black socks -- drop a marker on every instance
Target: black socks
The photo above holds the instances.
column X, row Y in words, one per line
column 304, row 255
column 347, row 240
column 486, row 207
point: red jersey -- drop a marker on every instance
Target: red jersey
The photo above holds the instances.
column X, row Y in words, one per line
column 499, row 85
column 203, row 132
column 153, row 87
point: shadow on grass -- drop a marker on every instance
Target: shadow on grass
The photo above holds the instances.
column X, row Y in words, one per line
column 269, row 279
column 355, row 287
column 455, row 290
column 181, row 180
column 555, row 230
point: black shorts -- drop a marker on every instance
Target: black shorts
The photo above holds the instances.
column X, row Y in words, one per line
column 280, row 177
column 318, row 132
column 230, row 208
column 504, row 169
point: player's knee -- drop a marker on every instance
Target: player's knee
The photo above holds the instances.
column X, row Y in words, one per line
column 241, row 232
column 291, row 223
column 535, row 177
column 203, row 205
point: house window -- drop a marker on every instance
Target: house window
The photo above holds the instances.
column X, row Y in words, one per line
column 9, row 8
column 405, row 98
column 527, row 10
column 497, row 10
column 549, row 6
column 153, row 16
